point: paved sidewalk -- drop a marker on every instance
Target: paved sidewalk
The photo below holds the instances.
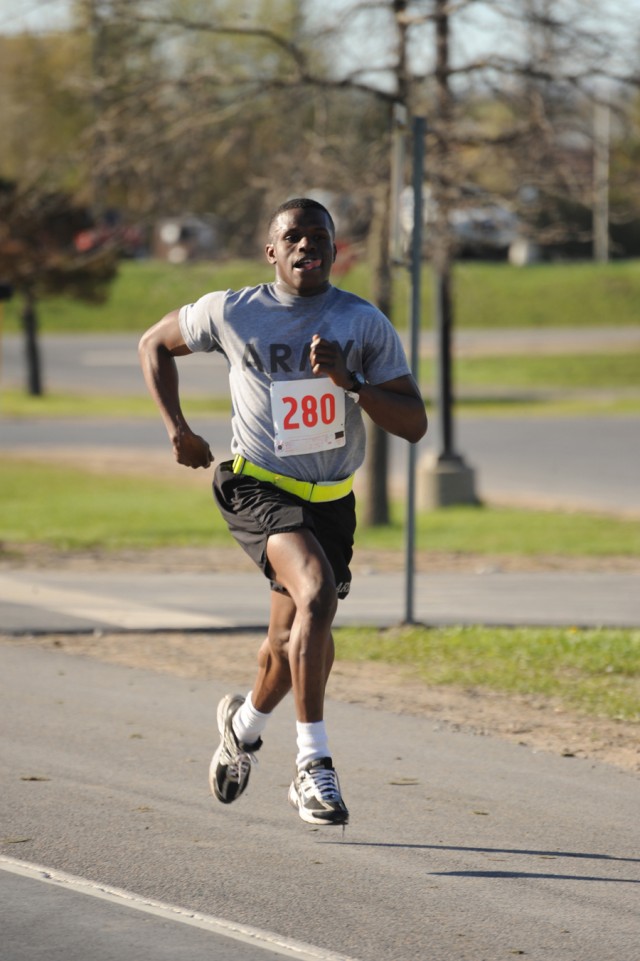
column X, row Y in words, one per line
column 38, row 601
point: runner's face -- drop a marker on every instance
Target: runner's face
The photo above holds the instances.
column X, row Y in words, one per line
column 302, row 249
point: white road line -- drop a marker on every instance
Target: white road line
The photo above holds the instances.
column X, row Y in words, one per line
column 239, row 932
column 109, row 610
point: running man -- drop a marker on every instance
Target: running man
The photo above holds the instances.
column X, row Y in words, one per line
column 305, row 360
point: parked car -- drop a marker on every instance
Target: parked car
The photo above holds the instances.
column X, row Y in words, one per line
column 481, row 226
column 186, row 238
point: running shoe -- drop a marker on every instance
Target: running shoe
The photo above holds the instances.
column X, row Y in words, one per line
column 231, row 764
column 315, row 793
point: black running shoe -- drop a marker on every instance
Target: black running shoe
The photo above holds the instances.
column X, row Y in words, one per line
column 315, row 793
column 231, row 764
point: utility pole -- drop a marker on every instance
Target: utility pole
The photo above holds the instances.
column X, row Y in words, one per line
column 445, row 477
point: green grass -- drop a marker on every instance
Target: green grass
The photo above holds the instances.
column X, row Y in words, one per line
column 596, row 672
column 555, row 372
column 14, row 403
column 496, row 530
column 492, row 403
column 142, row 293
column 71, row 509
column 486, row 295
column 497, row 404
column 548, row 295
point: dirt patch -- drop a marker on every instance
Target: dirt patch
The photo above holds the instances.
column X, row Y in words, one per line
column 538, row 723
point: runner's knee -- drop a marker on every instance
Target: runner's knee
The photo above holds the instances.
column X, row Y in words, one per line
column 277, row 642
column 319, row 600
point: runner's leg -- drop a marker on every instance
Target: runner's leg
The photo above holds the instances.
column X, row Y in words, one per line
column 301, row 566
column 273, row 682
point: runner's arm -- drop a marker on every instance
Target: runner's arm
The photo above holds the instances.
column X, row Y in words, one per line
column 395, row 405
column 158, row 348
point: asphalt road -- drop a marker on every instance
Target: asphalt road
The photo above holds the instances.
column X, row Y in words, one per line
column 460, row 847
column 47, row 601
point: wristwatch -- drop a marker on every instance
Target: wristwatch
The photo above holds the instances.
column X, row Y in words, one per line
column 357, row 383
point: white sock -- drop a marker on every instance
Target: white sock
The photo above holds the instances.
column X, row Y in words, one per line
column 248, row 724
column 312, row 742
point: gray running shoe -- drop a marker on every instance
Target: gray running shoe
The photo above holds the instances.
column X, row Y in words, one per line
column 231, row 764
column 315, row 793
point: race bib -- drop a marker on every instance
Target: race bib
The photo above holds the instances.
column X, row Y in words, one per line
column 308, row 416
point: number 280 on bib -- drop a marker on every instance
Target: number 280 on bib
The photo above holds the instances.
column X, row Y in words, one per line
column 308, row 416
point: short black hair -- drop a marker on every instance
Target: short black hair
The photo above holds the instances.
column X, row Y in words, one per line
column 297, row 203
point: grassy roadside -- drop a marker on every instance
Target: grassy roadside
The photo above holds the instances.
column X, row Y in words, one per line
column 73, row 509
column 487, row 295
column 18, row 404
column 593, row 672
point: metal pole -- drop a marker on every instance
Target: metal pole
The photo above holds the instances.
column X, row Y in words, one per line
column 419, row 131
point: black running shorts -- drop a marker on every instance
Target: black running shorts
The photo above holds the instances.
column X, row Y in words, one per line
column 255, row 509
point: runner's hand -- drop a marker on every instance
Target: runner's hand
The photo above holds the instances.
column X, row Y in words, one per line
column 327, row 360
column 191, row 450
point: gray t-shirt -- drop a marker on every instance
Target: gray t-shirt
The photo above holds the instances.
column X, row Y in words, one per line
column 265, row 335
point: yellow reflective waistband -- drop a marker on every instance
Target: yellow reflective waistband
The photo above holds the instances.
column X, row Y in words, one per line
column 305, row 490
